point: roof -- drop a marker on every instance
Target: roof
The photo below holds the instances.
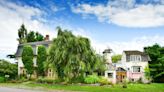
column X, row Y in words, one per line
column 37, row 43
column 107, row 51
column 34, row 47
column 134, row 52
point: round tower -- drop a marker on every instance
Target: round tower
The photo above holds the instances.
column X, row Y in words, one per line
column 108, row 56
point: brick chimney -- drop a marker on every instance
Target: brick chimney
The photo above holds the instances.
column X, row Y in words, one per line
column 47, row 38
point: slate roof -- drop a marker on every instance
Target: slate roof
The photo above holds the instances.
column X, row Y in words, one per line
column 134, row 52
column 34, row 47
column 144, row 56
column 107, row 51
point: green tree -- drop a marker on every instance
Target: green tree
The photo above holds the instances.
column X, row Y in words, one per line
column 27, row 58
column 39, row 37
column 116, row 58
column 31, row 36
column 71, row 55
column 147, row 73
column 7, row 68
column 156, row 65
column 22, row 34
column 41, row 59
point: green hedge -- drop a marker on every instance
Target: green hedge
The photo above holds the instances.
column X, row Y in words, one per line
column 2, row 79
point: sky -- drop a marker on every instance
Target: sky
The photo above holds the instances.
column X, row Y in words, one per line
column 116, row 24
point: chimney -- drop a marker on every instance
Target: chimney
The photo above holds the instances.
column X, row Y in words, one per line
column 47, row 38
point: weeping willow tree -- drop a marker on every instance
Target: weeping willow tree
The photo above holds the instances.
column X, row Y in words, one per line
column 72, row 55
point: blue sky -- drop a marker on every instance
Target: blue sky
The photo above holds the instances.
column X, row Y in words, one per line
column 118, row 24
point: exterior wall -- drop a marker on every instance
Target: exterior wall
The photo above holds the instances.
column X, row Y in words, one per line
column 113, row 78
column 108, row 57
column 136, row 75
column 123, row 59
column 34, row 61
column 20, row 64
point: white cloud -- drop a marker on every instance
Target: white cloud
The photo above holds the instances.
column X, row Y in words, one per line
column 125, row 13
column 135, row 44
column 11, row 17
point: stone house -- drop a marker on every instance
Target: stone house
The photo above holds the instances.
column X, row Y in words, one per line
column 34, row 45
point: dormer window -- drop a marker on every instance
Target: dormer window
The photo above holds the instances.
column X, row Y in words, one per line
column 135, row 57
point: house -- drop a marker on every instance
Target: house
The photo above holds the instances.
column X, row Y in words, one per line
column 21, row 69
column 131, row 66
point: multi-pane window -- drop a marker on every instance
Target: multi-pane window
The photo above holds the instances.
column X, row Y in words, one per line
column 135, row 58
column 110, row 75
column 136, row 69
column 50, row 73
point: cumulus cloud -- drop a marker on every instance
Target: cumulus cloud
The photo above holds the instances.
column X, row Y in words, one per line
column 137, row 43
column 126, row 13
column 11, row 17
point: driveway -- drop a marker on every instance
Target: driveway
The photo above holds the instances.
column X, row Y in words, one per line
column 7, row 89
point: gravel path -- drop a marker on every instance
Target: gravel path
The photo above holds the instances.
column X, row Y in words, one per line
column 7, row 89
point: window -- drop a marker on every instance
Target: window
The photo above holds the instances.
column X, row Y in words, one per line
column 110, row 75
column 50, row 73
column 135, row 58
column 136, row 69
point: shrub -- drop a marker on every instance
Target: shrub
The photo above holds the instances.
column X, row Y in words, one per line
column 45, row 80
column 91, row 79
column 104, row 81
column 124, row 83
column 79, row 79
column 2, row 79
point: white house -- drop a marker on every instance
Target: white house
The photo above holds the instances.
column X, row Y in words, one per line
column 131, row 66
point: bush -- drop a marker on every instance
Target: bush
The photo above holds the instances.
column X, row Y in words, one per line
column 104, row 81
column 91, row 79
column 79, row 79
column 125, row 83
column 2, row 79
column 45, row 80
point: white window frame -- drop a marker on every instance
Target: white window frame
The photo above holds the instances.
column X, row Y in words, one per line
column 136, row 71
column 135, row 58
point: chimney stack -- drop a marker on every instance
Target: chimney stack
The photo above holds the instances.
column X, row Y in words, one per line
column 47, row 38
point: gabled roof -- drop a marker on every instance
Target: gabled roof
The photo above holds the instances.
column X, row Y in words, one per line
column 34, row 47
column 136, row 52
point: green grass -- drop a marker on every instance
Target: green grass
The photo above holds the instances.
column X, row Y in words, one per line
column 154, row 87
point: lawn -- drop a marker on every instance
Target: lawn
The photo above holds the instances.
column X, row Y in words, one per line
column 154, row 87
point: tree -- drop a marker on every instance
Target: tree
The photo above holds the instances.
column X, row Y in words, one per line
column 71, row 55
column 41, row 59
column 156, row 65
column 25, row 37
column 39, row 37
column 147, row 73
column 22, row 34
column 116, row 58
column 31, row 36
column 7, row 68
column 27, row 58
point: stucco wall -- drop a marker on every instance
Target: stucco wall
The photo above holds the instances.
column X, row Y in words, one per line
column 113, row 78
column 134, row 75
